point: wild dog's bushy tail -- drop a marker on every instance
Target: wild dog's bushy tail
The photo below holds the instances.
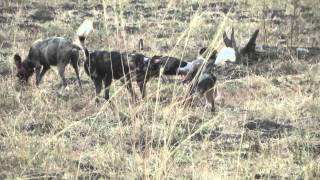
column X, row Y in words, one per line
column 82, row 33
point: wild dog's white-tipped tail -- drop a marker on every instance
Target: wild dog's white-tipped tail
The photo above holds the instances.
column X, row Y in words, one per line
column 85, row 28
column 83, row 31
column 226, row 54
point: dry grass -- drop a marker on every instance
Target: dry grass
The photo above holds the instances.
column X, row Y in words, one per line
column 48, row 133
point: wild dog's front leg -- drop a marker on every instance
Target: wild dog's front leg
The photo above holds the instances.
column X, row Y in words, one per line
column 38, row 69
column 44, row 70
column 130, row 88
column 98, row 86
column 210, row 98
column 142, row 88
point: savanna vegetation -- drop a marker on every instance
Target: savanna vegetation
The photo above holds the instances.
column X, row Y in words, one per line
column 267, row 122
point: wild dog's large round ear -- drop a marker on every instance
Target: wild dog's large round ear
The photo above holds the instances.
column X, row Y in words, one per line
column 133, row 53
column 17, row 60
column 202, row 50
column 156, row 59
column 141, row 47
column 213, row 55
column 251, row 45
column 227, row 41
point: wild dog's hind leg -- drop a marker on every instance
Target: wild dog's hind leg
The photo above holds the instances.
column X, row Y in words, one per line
column 107, row 83
column 98, row 87
column 74, row 63
column 44, row 70
column 61, row 69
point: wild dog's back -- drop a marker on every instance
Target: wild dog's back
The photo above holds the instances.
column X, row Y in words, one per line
column 52, row 51
column 105, row 63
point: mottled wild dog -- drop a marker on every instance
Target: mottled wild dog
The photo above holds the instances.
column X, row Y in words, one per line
column 202, row 74
column 196, row 64
column 54, row 51
column 202, row 78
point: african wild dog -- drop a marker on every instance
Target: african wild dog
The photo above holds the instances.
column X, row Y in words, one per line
column 105, row 66
column 203, row 76
column 202, row 81
column 246, row 54
column 54, row 51
column 145, row 68
column 196, row 64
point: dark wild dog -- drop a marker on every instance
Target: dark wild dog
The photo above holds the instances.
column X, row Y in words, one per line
column 171, row 65
column 145, row 68
column 104, row 66
column 175, row 66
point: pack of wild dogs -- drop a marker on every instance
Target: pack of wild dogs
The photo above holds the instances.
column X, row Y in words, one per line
column 105, row 66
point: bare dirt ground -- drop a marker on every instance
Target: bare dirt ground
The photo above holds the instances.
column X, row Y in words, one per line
column 267, row 124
